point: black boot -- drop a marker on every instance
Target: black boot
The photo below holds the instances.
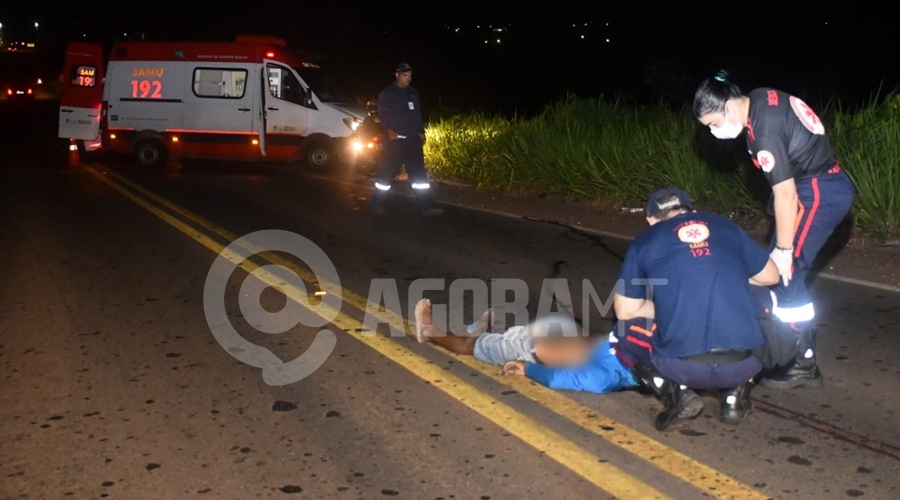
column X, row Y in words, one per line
column 803, row 371
column 735, row 404
column 680, row 402
column 379, row 199
column 426, row 203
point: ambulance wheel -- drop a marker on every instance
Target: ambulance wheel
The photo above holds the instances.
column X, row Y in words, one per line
column 319, row 155
column 150, row 154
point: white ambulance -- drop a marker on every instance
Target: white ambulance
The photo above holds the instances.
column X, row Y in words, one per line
column 251, row 99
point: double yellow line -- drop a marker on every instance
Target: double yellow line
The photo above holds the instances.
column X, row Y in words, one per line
column 602, row 474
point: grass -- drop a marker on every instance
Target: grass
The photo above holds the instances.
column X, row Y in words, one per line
column 604, row 150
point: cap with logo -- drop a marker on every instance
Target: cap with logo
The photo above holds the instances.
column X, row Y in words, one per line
column 668, row 198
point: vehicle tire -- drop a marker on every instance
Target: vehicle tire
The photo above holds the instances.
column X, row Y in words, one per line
column 151, row 153
column 319, row 155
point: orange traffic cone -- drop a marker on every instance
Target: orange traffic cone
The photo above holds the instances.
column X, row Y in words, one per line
column 74, row 158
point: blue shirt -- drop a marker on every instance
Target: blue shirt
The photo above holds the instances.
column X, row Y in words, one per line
column 601, row 373
column 700, row 263
column 400, row 109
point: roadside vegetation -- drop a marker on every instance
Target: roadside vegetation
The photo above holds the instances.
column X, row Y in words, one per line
column 606, row 151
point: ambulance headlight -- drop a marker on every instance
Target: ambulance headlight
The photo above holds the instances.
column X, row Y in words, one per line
column 352, row 123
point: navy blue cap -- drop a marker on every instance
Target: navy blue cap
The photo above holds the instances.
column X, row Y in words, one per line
column 668, row 198
column 403, row 67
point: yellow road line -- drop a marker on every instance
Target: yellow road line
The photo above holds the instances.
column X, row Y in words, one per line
column 601, row 474
column 701, row 476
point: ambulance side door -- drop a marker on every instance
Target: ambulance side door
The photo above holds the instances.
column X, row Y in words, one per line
column 286, row 116
column 221, row 103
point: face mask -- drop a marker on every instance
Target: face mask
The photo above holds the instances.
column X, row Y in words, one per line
column 728, row 130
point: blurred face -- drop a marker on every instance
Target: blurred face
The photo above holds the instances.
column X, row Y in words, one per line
column 404, row 78
column 563, row 352
column 723, row 125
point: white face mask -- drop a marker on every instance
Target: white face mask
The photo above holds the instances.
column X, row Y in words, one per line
column 728, row 130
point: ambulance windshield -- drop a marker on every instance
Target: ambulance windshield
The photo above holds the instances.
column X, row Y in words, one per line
column 324, row 86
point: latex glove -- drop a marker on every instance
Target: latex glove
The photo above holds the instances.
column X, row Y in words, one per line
column 783, row 259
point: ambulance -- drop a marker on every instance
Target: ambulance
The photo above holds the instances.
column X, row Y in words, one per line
column 251, row 99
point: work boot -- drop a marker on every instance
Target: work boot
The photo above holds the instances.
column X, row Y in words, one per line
column 379, row 200
column 425, row 202
column 804, row 371
column 680, row 402
column 735, row 404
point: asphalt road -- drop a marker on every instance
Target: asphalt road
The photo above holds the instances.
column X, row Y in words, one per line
column 121, row 377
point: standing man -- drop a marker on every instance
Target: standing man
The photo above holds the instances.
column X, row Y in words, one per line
column 810, row 197
column 400, row 111
column 686, row 317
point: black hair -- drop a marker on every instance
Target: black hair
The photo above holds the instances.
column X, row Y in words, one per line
column 713, row 93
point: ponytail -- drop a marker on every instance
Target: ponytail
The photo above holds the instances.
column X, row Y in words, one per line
column 713, row 93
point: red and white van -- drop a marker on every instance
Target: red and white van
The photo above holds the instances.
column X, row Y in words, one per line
column 251, row 99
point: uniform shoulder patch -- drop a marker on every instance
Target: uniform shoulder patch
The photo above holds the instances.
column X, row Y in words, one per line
column 764, row 160
column 807, row 116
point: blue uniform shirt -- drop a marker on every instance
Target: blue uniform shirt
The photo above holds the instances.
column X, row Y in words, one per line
column 399, row 109
column 700, row 264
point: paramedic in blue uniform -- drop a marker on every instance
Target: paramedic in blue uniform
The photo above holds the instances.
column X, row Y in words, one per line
column 686, row 316
column 400, row 111
column 811, row 195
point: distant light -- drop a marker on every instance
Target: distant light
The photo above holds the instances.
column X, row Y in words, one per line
column 36, row 25
column 582, row 37
column 498, row 40
column 174, row 138
column 607, row 24
column 457, row 30
column 270, row 54
column 607, row 40
column 1, row 26
column 485, row 41
column 255, row 142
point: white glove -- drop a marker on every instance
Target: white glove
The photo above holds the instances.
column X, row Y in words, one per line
column 783, row 260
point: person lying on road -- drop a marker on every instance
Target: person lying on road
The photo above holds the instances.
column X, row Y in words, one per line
column 552, row 351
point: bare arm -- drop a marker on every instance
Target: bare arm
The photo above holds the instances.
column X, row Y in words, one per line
column 767, row 277
column 785, row 194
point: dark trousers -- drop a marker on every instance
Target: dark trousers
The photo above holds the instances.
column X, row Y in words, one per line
column 406, row 153
column 824, row 203
column 715, row 371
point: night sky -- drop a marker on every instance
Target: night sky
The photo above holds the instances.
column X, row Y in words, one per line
column 518, row 61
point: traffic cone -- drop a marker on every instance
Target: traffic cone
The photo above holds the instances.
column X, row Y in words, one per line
column 74, row 158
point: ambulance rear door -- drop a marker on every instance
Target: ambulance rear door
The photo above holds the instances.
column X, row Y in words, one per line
column 82, row 94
